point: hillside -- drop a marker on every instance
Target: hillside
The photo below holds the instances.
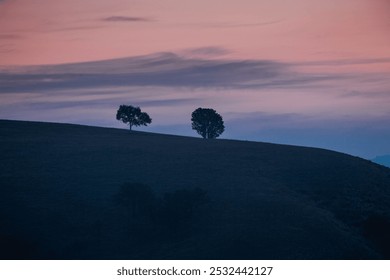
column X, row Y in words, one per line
column 78, row 192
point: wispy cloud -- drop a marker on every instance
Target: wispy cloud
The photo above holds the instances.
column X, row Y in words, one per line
column 206, row 52
column 58, row 103
column 9, row 36
column 125, row 19
column 7, row 48
column 234, row 24
column 75, row 28
column 341, row 62
column 163, row 69
column 380, row 94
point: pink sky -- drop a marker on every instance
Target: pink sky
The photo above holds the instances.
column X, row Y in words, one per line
column 50, row 32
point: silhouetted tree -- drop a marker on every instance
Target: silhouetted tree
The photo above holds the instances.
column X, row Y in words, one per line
column 133, row 116
column 207, row 122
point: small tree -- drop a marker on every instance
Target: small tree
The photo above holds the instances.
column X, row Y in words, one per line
column 207, row 122
column 133, row 116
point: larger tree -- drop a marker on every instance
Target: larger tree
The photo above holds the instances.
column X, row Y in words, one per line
column 133, row 116
column 207, row 122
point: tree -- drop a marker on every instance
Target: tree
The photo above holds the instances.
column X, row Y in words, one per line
column 133, row 116
column 207, row 122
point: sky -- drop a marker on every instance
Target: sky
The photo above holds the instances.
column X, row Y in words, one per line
column 301, row 72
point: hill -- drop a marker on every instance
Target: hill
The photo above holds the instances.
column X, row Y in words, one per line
column 79, row 192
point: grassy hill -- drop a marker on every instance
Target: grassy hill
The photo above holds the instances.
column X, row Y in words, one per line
column 79, row 192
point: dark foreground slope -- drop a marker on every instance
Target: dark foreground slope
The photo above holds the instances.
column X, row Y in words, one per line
column 76, row 192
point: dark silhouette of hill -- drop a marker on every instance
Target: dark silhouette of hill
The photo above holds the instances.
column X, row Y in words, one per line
column 79, row 192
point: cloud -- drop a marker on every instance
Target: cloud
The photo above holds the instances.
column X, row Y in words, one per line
column 125, row 19
column 59, row 103
column 7, row 48
column 206, row 52
column 234, row 24
column 162, row 69
column 341, row 62
column 168, row 102
column 75, row 28
column 253, row 24
column 379, row 94
column 9, row 36
column 98, row 26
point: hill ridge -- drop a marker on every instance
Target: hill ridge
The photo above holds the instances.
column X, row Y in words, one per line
column 156, row 134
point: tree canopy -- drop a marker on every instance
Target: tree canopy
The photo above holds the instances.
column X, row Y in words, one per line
column 207, row 123
column 133, row 116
